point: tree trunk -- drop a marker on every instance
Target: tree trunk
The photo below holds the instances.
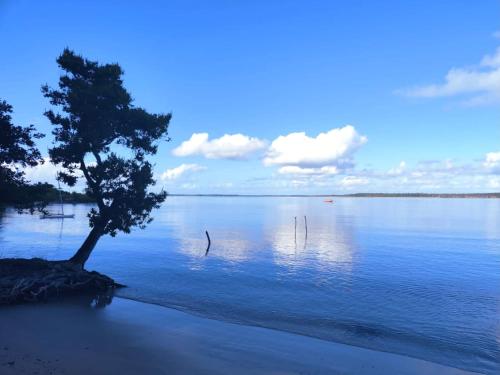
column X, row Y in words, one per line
column 88, row 245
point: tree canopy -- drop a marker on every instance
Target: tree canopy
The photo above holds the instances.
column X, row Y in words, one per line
column 104, row 139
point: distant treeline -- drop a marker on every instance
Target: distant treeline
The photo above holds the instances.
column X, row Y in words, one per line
column 25, row 195
column 424, row 195
column 356, row 195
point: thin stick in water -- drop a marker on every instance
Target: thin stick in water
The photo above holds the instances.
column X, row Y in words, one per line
column 209, row 243
column 305, row 221
column 295, row 228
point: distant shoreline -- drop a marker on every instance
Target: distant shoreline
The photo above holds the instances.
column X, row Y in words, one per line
column 356, row 195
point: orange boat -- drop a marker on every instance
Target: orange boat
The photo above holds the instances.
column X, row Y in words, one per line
column 328, row 201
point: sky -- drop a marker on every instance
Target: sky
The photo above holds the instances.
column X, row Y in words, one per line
column 283, row 97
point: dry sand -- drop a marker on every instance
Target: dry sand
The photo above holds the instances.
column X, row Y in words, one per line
column 129, row 337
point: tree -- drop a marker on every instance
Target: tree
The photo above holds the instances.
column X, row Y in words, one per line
column 17, row 151
column 102, row 137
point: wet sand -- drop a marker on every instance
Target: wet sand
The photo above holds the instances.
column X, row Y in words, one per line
column 129, row 337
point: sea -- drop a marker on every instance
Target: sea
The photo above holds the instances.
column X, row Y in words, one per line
column 418, row 277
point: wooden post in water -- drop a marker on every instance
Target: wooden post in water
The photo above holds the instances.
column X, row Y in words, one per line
column 209, row 243
column 305, row 221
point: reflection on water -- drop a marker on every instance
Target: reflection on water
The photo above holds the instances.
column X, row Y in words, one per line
column 89, row 300
column 413, row 276
column 101, row 300
column 229, row 249
column 328, row 241
column 33, row 222
column 329, row 244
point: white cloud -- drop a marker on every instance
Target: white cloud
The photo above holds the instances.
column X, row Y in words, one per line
column 189, row 186
column 480, row 84
column 183, row 169
column 430, row 176
column 333, row 149
column 293, row 169
column 45, row 172
column 222, row 185
column 299, row 183
column 492, row 160
column 350, row 181
column 229, row 146
column 492, row 61
column 494, row 182
column 398, row 171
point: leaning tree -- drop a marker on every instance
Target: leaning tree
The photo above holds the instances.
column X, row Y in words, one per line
column 17, row 151
column 102, row 138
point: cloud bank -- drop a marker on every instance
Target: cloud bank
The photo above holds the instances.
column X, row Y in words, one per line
column 326, row 161
column 426, row 176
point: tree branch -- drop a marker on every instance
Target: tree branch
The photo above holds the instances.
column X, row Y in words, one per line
column 93, row 185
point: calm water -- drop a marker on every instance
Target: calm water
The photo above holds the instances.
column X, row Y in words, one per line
column 419, row 277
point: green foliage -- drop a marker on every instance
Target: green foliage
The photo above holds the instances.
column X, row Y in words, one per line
column 95, row 114
column 37, row 196
column 17, row 151
column 48, row 193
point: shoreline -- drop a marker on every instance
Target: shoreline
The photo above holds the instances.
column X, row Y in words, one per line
column 129, row 337
column 196, row 314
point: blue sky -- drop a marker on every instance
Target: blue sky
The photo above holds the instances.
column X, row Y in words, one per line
column 417, row 81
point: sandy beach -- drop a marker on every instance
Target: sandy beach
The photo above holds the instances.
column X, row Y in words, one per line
column 129, row 337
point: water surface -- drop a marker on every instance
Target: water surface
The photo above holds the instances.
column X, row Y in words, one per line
column 419, row 277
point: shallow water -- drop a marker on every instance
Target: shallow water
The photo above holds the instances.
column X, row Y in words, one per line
column 419, row 277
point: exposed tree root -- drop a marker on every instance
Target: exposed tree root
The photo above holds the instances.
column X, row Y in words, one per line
column 34, row 280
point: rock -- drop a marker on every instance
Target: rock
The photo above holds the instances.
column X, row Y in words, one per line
column 34, row 280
